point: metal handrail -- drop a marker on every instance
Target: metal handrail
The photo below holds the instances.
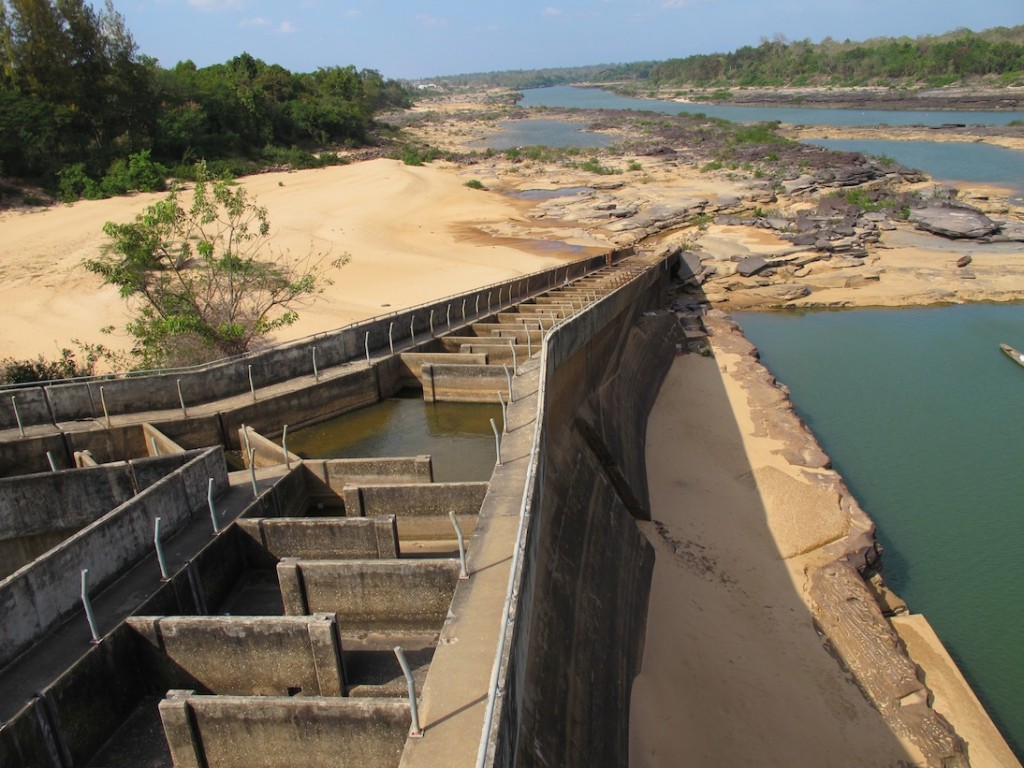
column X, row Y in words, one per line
column 290, row 342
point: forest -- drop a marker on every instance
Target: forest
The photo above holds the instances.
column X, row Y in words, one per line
column 84, row 113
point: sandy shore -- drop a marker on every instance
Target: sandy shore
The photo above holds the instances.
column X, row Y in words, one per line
column 413, row 234
column 734, row 671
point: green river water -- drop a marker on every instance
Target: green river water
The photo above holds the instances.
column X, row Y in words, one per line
column 923, row 416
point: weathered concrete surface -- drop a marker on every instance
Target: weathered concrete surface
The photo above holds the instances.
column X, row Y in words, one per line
column 412, row 363
column 448, row 383
column 356, row 538
column 421, row 509
column 36, row 597
column 251, row 656
column 55, row 501
column 371, row 595
column 268, row 732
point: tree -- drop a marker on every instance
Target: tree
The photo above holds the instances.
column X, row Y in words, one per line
column 203, row 279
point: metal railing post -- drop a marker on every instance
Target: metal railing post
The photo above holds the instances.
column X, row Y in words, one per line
column 213, row 509
column 414, row 729
column 252, row 386
column 17, row 416
column 103, row 402
column 252, row 473
column 497, row 443
column 181, row 399
column 89, row 615
column 284, row 445
column 463, row 570
column 160, row 551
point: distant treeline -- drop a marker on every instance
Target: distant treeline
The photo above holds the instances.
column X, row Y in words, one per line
column 926, row 61
column 78, row 102
column 543, row 78
column 935, row 60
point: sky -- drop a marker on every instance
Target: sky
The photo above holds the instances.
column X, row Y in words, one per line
column 407, row 39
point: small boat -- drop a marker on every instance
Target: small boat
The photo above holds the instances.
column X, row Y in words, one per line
column 1013, row 354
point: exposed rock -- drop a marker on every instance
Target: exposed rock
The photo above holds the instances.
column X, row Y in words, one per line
column 751, row 265
column 954, row 221
column 800, row 184
column 963, row 261
column 690, row 265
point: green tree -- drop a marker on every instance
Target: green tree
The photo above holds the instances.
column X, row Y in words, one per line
column 202, row 277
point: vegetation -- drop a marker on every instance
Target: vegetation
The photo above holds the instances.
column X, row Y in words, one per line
column 996, row 54
column 475, row 184
column 13, row 371
column 927, row 60
column 201, row 276
column 81, row 109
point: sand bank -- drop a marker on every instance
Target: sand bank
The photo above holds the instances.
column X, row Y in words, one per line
column 413, row 234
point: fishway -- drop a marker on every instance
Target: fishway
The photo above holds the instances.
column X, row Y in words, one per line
column 278, row 631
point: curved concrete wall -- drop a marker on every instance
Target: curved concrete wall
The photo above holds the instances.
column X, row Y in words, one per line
column 583, row 584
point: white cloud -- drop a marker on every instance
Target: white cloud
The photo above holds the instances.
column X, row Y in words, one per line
column 552, row 13
column 216, row 5
column 259, row 21
column 287, row 28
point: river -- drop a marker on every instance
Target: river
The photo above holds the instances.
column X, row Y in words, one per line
column 921, row 414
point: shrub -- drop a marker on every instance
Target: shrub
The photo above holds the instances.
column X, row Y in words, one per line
column 475, row 184
column 39, row 370
column 73, row 183
column 594, row 166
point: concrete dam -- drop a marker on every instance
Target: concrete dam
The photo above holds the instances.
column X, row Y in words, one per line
column 162, row 607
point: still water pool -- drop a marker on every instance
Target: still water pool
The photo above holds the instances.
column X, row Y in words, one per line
column 457, row 436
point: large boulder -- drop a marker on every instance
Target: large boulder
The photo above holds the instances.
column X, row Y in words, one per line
column 954, row 221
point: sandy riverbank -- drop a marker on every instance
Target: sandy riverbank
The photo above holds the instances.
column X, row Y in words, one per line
column 413, row 234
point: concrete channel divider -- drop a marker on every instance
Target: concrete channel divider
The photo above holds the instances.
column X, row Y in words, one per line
column 325, row 538
column 421, row 511
column 412, row 363
column 371, row 595
column 47, row 590
column 243, row 655
column 463, row 383
column 270, row 731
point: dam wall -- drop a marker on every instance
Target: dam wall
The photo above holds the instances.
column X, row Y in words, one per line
column 576, row 640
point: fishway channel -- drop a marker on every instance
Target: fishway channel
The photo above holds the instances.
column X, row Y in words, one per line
column 266, row 635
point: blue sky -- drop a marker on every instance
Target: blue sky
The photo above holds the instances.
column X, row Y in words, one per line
column 409, row 39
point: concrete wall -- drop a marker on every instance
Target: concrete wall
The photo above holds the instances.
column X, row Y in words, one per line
column 463, row 383
column 270, row 732
column 243, row 656
column 321, row 538
column 70, row 719
column 57, row 501
column 421, row 510
column 326, row 478
column 412, row 364
column 36, row 597
column 577, row 638
column 371, row 595
column 222, row 379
